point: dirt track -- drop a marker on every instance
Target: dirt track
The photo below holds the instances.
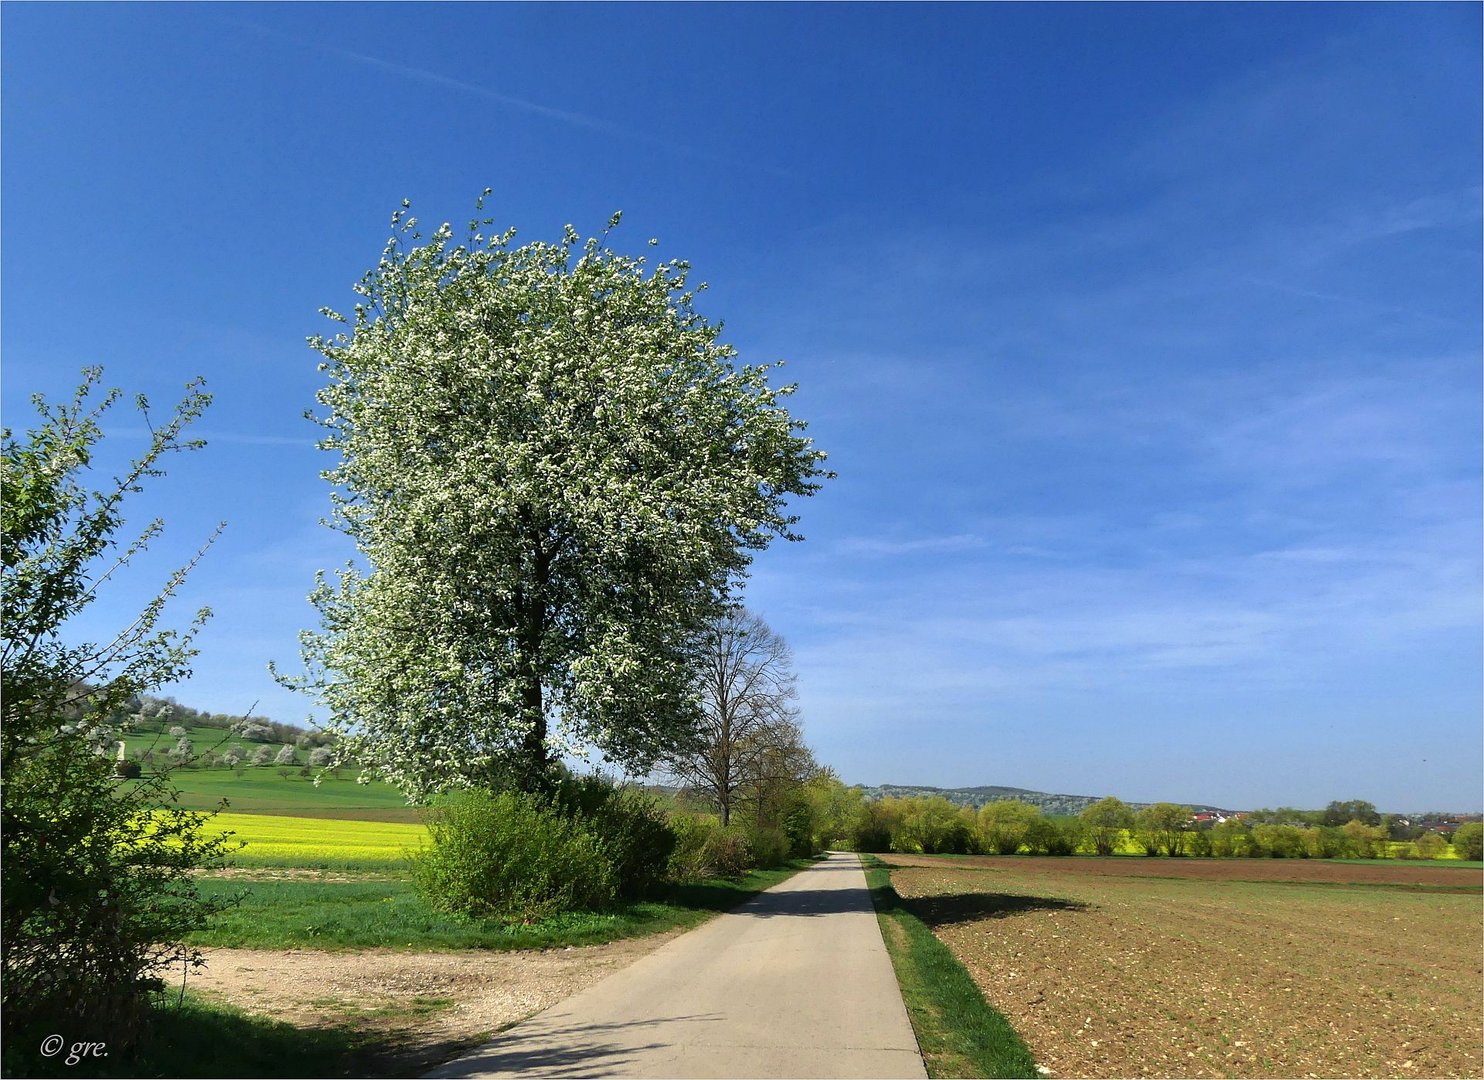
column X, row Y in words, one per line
column 413, row 1009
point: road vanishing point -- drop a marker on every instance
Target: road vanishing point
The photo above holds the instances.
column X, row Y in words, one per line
column 795, row 982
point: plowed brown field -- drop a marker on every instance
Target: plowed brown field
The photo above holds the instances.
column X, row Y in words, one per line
column 1367, row 873
column 1165, row 968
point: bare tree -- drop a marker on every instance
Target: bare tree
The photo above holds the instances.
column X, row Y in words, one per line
column 782, row 765
column 746, row 686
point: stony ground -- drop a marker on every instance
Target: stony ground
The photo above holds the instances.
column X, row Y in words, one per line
column 414, row 1009
column 1106, row 970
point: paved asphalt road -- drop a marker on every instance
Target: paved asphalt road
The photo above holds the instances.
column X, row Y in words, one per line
column 794, row 983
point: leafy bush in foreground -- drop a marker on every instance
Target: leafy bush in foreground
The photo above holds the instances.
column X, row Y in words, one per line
column 98, row 886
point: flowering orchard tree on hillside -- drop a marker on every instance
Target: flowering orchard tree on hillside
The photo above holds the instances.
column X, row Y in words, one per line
column 555, row 476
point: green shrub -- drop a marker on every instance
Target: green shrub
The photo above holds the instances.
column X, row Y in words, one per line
column 1327, row 842
column 99, row 881
column 1279, row 841
column 1468, row 841
column 631, row 826
column 512, row 856
column 1431, row 846
column 770, row 847
column 1047, row 836
column 1231, row 838
column 688, row 858
column 1002, row 826
column 99, row 890
column 727, row 853
column 798, row 828
column 1104, row 823
column 933, row 826
column 1072, row 835
column 128, row 770
column 1367, row 841
column 873, row 831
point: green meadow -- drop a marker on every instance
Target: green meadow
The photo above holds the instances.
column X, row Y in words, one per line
column 265, row 790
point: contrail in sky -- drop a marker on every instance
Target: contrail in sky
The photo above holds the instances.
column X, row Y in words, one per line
column 535, row 108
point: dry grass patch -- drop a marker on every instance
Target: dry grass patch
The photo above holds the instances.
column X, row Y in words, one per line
column 1107, row 974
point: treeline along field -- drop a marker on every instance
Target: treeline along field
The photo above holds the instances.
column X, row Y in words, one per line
column 934, row 825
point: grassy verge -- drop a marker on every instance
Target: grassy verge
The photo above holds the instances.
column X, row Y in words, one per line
column 959, row 1033
column 280, row 914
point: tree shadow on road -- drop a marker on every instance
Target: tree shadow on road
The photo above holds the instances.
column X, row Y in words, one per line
column 576, row 1050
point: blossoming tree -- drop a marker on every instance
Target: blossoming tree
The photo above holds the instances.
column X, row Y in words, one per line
column 555, row 476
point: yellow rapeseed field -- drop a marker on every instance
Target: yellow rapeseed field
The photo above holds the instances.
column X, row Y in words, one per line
column 299, row 841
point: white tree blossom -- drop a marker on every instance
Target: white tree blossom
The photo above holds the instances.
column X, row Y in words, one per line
column 555, row 476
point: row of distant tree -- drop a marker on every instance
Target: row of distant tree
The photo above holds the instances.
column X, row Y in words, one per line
column 1399, row 827
column 934, row 825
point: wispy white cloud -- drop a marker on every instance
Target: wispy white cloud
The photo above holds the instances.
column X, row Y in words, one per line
column 1296, row 619
column 922, row 545
column 1409, row 419
column 1354, row 302
column 1310, row 530
column 1438, row 210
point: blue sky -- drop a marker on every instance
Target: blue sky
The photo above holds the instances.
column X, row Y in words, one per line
column 1145, row 340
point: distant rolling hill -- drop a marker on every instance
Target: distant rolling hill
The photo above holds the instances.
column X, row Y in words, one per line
column 976, row 797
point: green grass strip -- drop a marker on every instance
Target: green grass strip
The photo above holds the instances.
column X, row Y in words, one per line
column 388, row 913
column 959, row 1033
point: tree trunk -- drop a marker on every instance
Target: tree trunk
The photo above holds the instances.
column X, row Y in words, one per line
column 534, row 772
column 533, row 769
